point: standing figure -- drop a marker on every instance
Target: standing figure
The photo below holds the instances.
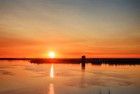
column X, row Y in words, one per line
column 83, row 62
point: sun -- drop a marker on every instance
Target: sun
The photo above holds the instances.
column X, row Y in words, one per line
column 51, row 54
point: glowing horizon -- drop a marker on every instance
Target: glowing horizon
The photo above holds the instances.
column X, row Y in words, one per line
column 95, row 28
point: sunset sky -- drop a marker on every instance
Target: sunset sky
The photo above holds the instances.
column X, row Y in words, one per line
column 70, row 28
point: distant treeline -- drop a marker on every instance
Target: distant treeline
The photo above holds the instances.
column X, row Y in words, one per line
column 130, row 61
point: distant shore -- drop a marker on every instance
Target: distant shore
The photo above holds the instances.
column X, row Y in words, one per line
column 130, row 61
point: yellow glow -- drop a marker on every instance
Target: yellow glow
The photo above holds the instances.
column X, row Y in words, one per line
column 51, row 89
column 51, row 54
column 52, row 71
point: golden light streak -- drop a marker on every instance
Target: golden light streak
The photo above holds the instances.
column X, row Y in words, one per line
column 52, row 71
column 51, row 89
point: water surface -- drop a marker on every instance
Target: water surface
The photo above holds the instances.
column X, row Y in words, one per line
column 23, row 77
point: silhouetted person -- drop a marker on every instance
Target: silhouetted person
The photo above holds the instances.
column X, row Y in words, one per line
column 83, row 62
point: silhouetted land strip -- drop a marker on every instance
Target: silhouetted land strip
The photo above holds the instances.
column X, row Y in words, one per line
column 130, row 61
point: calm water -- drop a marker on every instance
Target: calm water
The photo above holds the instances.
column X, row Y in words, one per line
column 22, row 77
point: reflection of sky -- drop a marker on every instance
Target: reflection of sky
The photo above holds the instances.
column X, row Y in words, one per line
column 73, row 27
column 4, row 72
column 68, row 78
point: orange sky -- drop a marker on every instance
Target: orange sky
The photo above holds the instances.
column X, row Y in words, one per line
column 104, row 28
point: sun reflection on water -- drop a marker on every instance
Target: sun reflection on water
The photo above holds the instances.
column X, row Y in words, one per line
column 51, row 85
column 52, row 71
column 51, row 89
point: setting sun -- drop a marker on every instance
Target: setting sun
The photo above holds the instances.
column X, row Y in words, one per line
column 51, row 54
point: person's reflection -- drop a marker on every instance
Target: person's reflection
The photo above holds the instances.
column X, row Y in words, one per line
column 83, row 68
column 51, row 89
column 83, row 82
